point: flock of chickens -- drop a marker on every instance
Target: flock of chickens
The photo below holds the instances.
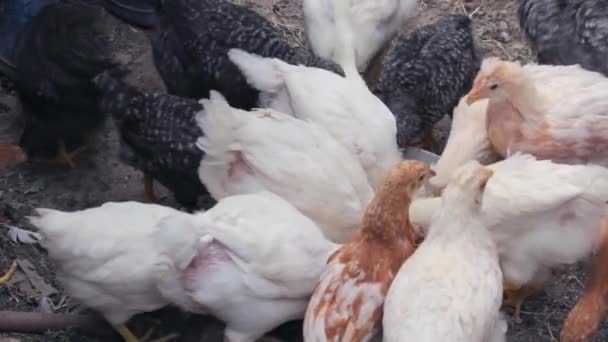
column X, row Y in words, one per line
column 315, row 214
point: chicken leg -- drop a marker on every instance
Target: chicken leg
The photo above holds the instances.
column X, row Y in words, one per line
column 515, row 296
column 128, row 336
column 9, row 274
column 63, row 156
column 149, row 196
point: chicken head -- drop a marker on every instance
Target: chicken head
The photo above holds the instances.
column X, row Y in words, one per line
column 468, row 184
column 362, row 269
column 494, row 80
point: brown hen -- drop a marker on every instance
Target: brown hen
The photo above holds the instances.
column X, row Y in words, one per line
column 348, row 299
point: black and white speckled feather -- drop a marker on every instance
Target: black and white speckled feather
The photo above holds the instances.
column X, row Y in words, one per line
column 565, row 32
column 191, row 47
column 58, row 54
column 158, row 135
column 426, row 73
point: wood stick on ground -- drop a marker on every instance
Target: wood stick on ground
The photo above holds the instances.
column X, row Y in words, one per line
column 39, row 322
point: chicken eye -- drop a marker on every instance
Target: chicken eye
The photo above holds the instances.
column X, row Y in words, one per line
column 493, row 86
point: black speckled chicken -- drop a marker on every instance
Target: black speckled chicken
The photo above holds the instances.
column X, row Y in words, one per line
column 566, row 32
column 191, row 49
column 62, row 49
column 158, row 136
column 426, row 73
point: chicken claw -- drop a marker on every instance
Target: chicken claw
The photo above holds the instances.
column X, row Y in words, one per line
column 9, row 274
column 126, row 334
column 515, row 296
column 149, row 196
column 63, row 156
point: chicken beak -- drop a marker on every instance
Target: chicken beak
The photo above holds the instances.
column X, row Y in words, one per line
column 432, row 173
column 474, row 96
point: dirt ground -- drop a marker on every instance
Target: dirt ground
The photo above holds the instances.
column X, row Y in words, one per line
column 99, row 177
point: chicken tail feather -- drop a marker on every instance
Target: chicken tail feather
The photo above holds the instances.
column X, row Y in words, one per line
column 218, row 120
column 261, row 73
column 344, row 53
column 178, row 237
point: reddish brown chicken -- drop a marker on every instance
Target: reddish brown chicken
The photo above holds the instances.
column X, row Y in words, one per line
column 592, row 307
column 10, row 155
column 348, row 299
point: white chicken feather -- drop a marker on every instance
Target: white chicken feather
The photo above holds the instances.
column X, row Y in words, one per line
column 541, row 214
column 468, row 140
column 300, row 161
column 345, row 107
column 111, row 258
column 256, row 266
column 372, row 22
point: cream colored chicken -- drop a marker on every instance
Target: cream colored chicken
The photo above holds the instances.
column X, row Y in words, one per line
column 113, row 258
column 343, row 105
column 468, row 140
column 450, row 289
column 552, row 112
column 373, row 23
column 541, row 215
column 299, row 161
column 254, row 267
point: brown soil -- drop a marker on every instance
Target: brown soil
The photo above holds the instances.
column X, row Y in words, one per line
column 99, row 177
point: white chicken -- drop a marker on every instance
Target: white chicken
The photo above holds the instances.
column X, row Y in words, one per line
column 110, row 257
column 468, row 140
column 255, row 267
column 343, row 105
column 541, row 215
column 299, row 161
column 450, row 289
column 372, row 22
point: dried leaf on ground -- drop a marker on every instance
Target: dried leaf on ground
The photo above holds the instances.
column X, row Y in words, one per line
column 21, row 235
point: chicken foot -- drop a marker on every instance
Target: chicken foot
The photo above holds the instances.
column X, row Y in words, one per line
column 128, row 336
column 515, row 296
column 149, row 196
column 6, row 277
column 63, row 156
